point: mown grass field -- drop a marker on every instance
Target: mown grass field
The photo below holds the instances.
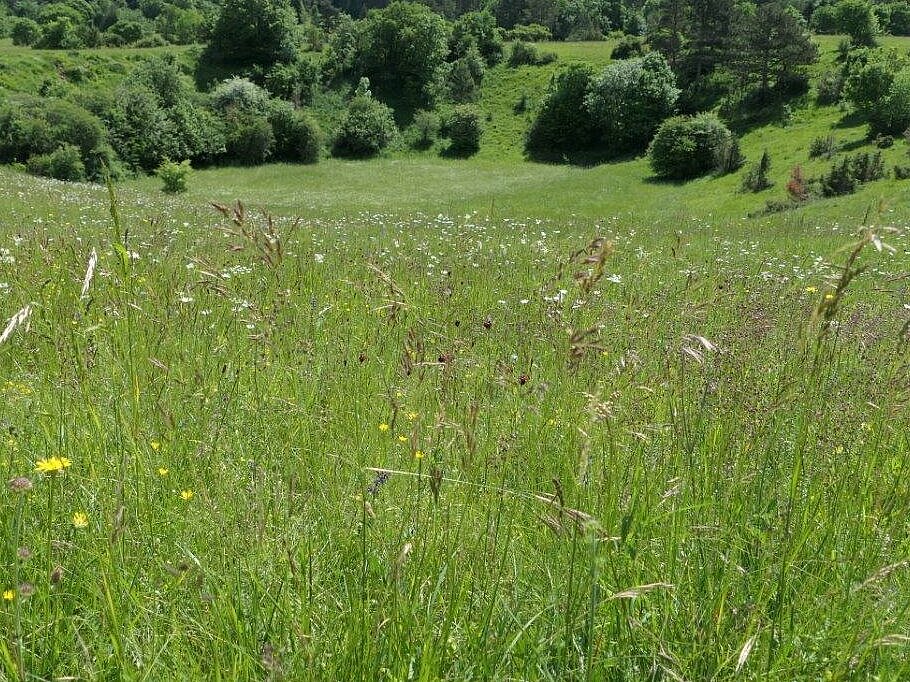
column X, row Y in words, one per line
column 464, row 420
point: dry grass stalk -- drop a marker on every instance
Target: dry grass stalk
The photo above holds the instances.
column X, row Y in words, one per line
column 638, row 590
column 745, row 651
column 89, row 273
column 265, row 239
column 16, row 321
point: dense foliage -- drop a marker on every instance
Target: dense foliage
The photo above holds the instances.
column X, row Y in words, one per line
column 563, row 124
column 630, row 99
column 687, row 147
column 368, row 126
column 464, row 127
column 402, row 49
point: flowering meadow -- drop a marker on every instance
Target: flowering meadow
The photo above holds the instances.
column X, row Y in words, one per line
column 416, row 446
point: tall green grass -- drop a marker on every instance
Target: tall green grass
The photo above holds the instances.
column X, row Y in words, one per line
column 453, row 446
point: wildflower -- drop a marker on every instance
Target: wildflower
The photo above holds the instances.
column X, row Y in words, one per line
column 418, row 454
column 80, row 520
column 811, row 290
column 9, row 595
column 156, row 445
column 20, row 484
column 378, row 482
column 52, row 465
column 383, row 427
column 24, row 553
column 163, row 471
column 412, row 416
column 829, row 297
column 402, row 439
column 26, row 590
column 186, row 495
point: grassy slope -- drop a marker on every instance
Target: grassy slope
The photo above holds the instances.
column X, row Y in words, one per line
column 498, row 182
column 26, row 70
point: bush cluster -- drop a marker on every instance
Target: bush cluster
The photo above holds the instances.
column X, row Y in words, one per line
column 757, row 177
column 54, row 138
column 529, row 33
column 688, row 147
column 846, row 175
column 463, row 127
column 367, row 128
column 525, row 54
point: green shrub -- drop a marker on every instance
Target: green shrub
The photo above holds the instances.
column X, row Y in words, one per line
column 64, row 163
column 839, row 180
column 867, row 167
column 297, row 135
column 901, row 172
column 425, row 126
column 138, row 128
column 367, row 128
column 857, row 20
column 524, row 54
column 892, row 116
column 25, row 31
column 728, row 156
column 830, row 88
column 845, row 175
column 465, row 77
column 252, row 32
column 32, row 126
column 128, row 31
column 295, row 82
column 563, row 123
column 899, row 18
column 628, row 47
column 174, row 176
column 756, row 179
column 685, row 148
column 529, row 33
column 826, row 147
column 884, row 141
column 402, row 49
column 878, row 85
column 61, row 34
column 825, row 20
column 239, row 95
column 478, row 31
column 629, row 100
column 341, row 50
column 250, row 139
column 463, row 127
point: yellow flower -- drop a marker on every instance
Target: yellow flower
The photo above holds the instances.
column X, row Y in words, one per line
column 402, row 439
column 811, row 290
column 52, row 465
column 418, row 454
column 383, row 427
column 9, row 595
column 163, row 471
column 829, row 297
column 80, row 520
column 156, row 446
column 412, row 416
column 186, row 495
